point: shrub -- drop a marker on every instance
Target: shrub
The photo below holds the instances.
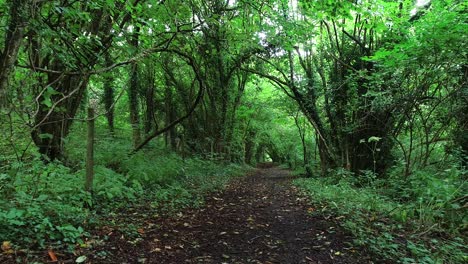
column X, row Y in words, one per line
column 414, row 220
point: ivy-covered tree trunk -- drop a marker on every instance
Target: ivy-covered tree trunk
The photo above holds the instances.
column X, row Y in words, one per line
column 260, row 153
column 18, row 19
column 359, row 128
column 461, row 131
column 133, row 94
column 308, row 104
column 370, row 142
column 150, row 110
column 55, row 116
column 222, row 56
column 171, row 134
column 249, row 146
column 109, row 95
column 67, row 74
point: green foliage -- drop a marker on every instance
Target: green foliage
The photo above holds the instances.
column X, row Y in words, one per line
column 430, row 196
column 45, row 205
column 376, row 85
column 112, row 186
column 345, row 197
column 177, row 183
column 267, row 122
column 398, row 219
column 153, row 169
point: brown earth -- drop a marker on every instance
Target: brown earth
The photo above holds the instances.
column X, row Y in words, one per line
column 260, row 218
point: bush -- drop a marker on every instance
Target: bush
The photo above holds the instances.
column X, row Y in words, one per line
column 403, row 220
column 45, row 205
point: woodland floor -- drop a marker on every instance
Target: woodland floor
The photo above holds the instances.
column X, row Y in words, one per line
column 260, row 218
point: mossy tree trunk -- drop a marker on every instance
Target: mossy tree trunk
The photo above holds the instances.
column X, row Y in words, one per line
column 133, row 93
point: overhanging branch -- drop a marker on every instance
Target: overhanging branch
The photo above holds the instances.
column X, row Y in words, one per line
column 199, row 98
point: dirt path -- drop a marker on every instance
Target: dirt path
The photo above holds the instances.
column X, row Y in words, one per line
column 257, row 219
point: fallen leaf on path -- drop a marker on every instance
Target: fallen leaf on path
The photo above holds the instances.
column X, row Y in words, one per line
column 156, row 250
column 81, row 259
column 52, row 255
column 6, row 247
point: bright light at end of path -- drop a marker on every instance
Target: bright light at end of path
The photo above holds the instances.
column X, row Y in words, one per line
column 419, row 4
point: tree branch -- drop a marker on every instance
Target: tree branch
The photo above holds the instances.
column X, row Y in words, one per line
column 199, row 98
column 160, row 47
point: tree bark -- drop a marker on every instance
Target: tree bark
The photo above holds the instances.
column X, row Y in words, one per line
column 461, row 131
column 14, row 36
column 90, row 152
column 249, row 146
column 52, row 124
column 171, row 134
column 109, row 95
column 133, row 94
column 150, row 112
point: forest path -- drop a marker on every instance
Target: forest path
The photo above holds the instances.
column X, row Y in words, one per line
column 260, row 218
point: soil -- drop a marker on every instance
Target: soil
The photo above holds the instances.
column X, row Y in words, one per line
column 260, row 218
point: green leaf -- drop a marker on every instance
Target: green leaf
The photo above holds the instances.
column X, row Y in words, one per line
column 48, row 93
column 81, row 259
column 46, row 136
column 42, row 197
column 47, row 102
column 374, row 139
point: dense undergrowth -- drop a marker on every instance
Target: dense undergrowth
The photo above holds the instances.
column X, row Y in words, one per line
column 419, row 219
column 44, row 206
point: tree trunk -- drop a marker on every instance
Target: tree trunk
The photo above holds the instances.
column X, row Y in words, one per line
column 90, row 152
column 150, row 107
column 259, row 153
column 52, row 124
column 249, row 146
column 133, row 94
column 109, row 96
column 14, row 35
column 171, row 134
column 461, row 131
